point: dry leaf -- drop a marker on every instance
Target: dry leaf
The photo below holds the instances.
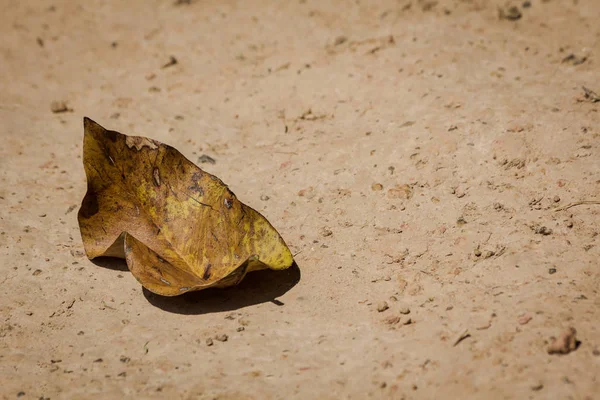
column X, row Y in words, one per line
column 178, row 227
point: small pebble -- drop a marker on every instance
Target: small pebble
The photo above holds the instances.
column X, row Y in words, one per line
column 382, row 306
column 542, row 230
column 551, row 271
column 407, row 322
column 326, row 232
column 569, row 223
column 340, row 40
column 488, row 254
column 537, row 386
column 477, row 253
column 556, row 199
column 392, row 320
column 483, row 326
column 525, row 318
column 205, row 159
column 209, row 342
column 565, row 343
column 376, row 187
column 58, row 107
column 405, row 310
column 512, row 14
column 221, row 337
column 240, row 328
column 264, row 197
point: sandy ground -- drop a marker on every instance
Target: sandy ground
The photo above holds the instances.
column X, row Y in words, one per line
column 416, row 153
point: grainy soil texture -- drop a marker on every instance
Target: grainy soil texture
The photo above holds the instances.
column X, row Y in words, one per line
column 434, row 166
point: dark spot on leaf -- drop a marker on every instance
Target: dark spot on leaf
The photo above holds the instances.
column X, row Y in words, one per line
column 207, row 272
column 89, row 206
column 228, row 203
column 197, row 189
column 156, row 176
column 112, row 135
column 154, row 267
column 196, row 176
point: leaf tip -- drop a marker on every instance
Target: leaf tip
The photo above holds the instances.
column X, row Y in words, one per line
column 88, row 122
column 90, row 126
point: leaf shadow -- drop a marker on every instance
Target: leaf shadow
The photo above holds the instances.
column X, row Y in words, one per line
column 114, row 263
column 256, row 288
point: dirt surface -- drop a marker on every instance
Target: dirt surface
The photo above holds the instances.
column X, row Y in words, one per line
column 417, row 156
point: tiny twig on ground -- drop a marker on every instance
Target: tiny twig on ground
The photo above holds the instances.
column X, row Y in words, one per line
column 590, row 95
column 577, row 203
